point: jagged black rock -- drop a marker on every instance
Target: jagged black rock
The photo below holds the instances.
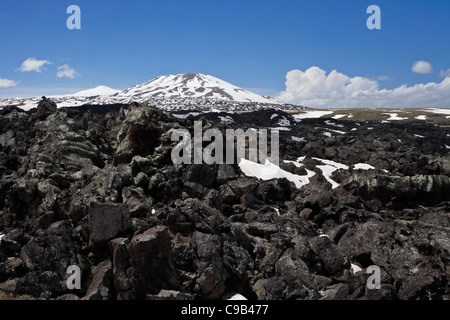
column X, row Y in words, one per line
column 82, row 186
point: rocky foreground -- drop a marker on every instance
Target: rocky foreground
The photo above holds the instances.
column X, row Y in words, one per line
column 98, row 189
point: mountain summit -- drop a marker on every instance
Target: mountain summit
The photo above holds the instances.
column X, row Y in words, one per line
column 186, row 91
column 193, row 85
column 97, row 91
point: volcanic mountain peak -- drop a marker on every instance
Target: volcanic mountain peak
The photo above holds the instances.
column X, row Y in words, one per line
column 171, row 92
column 97, row 91
column 194, row 85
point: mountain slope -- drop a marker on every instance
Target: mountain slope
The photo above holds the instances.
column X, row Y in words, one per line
column 193, row 85
column 189, row 91
column 97, row 91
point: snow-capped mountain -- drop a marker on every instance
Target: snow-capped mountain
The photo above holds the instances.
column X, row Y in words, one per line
column 97, row 91
column 193, row 85
column 172, row 92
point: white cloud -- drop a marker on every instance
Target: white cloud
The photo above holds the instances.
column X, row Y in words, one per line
column 445, row 73
column 31, row 64
column 422, row 67
column 314, row 88
column 5, row 83
column 66, row 71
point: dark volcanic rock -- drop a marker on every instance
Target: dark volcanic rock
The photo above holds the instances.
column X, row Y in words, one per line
column 424, row 188
column 101, row 286
column 45, row 108
column 225, row 172
column 295, row 275
column 120, row 264
column 107, row 220
column 209, row 265
column 328, row 253
column 95, row 187
column 151, row 261
column 201, row 173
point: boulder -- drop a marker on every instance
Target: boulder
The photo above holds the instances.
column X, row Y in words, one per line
column 268, row 289
column 314, row 197
column 210, row 281
column 248, row 200
column 194, row 189
column 242, row 185
column 275, row 190
column 295, row 275
column 193, row 214
column 45, row 108
column 368, row 243
column 225, row 172
column 120, row 263
column 202, row 174
column 140, row 133
column 227, row 194
column 214, row 200
column 12, row 242
column 101, row 287
column 55, row 248
column 107, row 220
column 332, row 259
column 151, row 259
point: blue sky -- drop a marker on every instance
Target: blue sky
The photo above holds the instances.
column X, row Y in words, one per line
column 252, row 44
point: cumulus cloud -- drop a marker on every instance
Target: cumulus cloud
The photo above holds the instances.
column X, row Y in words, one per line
column 32, row 64
column 314, row 88
column 66, row 71
column 422, row 67
column 5, row 83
